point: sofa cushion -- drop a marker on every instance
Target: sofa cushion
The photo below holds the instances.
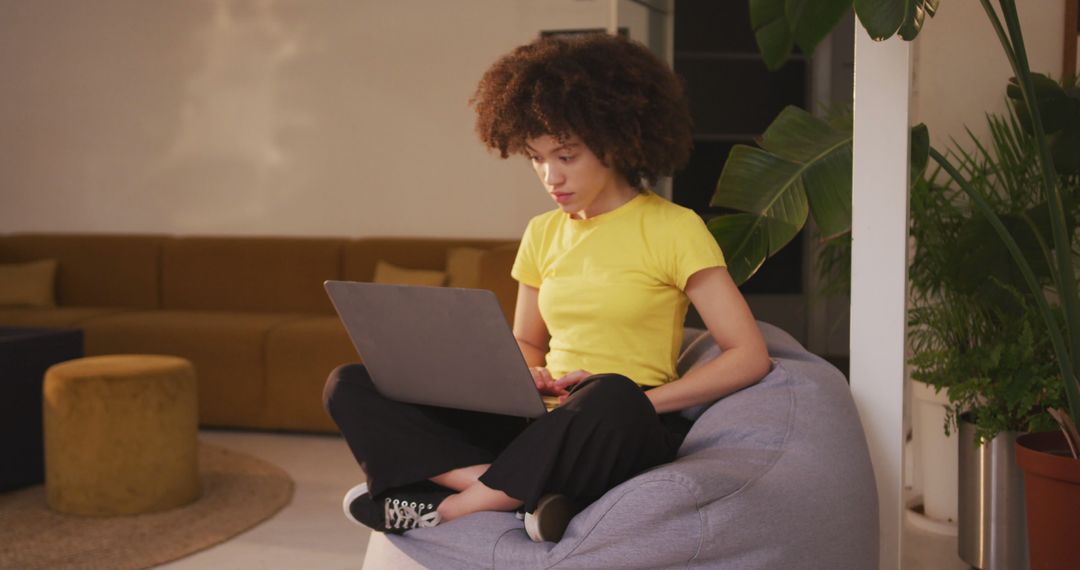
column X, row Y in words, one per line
column 94, row 270
column 28, row 284
column 463, row 266
column 55, row 316
column 299, row 356
column 280, row 275
column 388, row 273
column 227, row 350
column 362, row 255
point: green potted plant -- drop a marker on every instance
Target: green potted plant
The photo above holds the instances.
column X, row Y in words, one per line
column 1052, row 482
column 773, row 198
column 1053, row 297
column 973, row 332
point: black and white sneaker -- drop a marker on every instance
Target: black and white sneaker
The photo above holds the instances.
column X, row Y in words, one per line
column 549, row 521
column 396, row 512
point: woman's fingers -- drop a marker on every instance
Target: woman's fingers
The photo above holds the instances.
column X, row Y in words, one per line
column 549, row 386
column 572, row 378
column 541, row 376
column 544, row 381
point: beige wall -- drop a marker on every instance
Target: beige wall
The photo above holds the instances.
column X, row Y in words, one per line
column 328, row 117
column 960, row 70
column 316, row 117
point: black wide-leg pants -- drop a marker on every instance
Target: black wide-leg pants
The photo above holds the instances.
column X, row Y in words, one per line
column 605, row 432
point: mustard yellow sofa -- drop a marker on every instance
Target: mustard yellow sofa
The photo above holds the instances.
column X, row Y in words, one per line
column 249, row 312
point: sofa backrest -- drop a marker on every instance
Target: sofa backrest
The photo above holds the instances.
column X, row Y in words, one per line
column 264, row 274
column 361, row 255
column 95, row 270
column 428, row 253
column 238, row 273
column 495, row 275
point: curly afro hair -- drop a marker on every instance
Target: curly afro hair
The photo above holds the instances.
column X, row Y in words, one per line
column 624, row 103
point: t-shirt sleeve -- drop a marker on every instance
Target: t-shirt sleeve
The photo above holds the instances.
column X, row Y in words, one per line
column 695, row 248
column 525, row 269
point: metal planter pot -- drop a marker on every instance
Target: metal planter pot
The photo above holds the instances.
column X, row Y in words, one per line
column 993, row 522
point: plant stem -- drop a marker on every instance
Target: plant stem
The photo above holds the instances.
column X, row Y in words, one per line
column 1000, row 31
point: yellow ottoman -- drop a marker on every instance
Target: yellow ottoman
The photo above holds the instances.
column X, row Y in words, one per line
column 120, row 435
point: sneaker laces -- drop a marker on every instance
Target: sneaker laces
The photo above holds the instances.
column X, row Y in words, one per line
column 403, row 514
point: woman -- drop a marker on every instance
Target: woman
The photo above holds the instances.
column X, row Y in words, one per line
column 604, row 284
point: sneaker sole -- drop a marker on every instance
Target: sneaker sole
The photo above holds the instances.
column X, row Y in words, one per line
column 550, row 519
column 351, row 496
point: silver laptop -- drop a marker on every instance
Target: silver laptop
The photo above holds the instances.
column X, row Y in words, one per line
column 437, row 346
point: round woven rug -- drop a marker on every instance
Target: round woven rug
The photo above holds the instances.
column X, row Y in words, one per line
column 238, row 492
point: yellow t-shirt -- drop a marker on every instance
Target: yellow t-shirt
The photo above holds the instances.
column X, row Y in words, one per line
column 611, row 287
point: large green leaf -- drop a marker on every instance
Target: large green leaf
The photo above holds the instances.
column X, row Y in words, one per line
column 913, row 22
column 759, row 182
column 746, row 240
column 771, row 31
column 828, row 189
column 1060, row 111
column 768, row 190
column 811, row 20
column 1055, row 105
column 882, row 18
column 823, row 156
column 780, row 24
column 803, row 165
column 800, row 137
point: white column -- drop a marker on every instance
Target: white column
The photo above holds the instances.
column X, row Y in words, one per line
column 879, row 268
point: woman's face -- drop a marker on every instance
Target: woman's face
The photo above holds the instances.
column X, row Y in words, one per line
column 575, row 178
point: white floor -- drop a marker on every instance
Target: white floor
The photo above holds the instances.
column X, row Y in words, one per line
column 928, row 551
column 311, row 532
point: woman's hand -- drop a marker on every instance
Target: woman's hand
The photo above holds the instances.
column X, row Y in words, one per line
column 549, row 386
column 545, row 384
column 570, row 380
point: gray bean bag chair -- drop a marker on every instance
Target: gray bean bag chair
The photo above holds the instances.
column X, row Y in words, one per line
column 777, row 475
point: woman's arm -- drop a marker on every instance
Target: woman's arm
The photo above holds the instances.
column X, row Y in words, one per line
column 529, row 327
column 744, row 359
column 532, row 338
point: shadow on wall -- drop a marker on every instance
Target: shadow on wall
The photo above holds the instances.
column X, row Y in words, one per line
column 255, row 116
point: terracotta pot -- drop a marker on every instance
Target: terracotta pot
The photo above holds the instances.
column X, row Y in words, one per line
column 1052, row 486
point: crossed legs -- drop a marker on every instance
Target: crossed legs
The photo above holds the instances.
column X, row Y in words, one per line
column 398, row 444
column 472, row 496
column 607, row 429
